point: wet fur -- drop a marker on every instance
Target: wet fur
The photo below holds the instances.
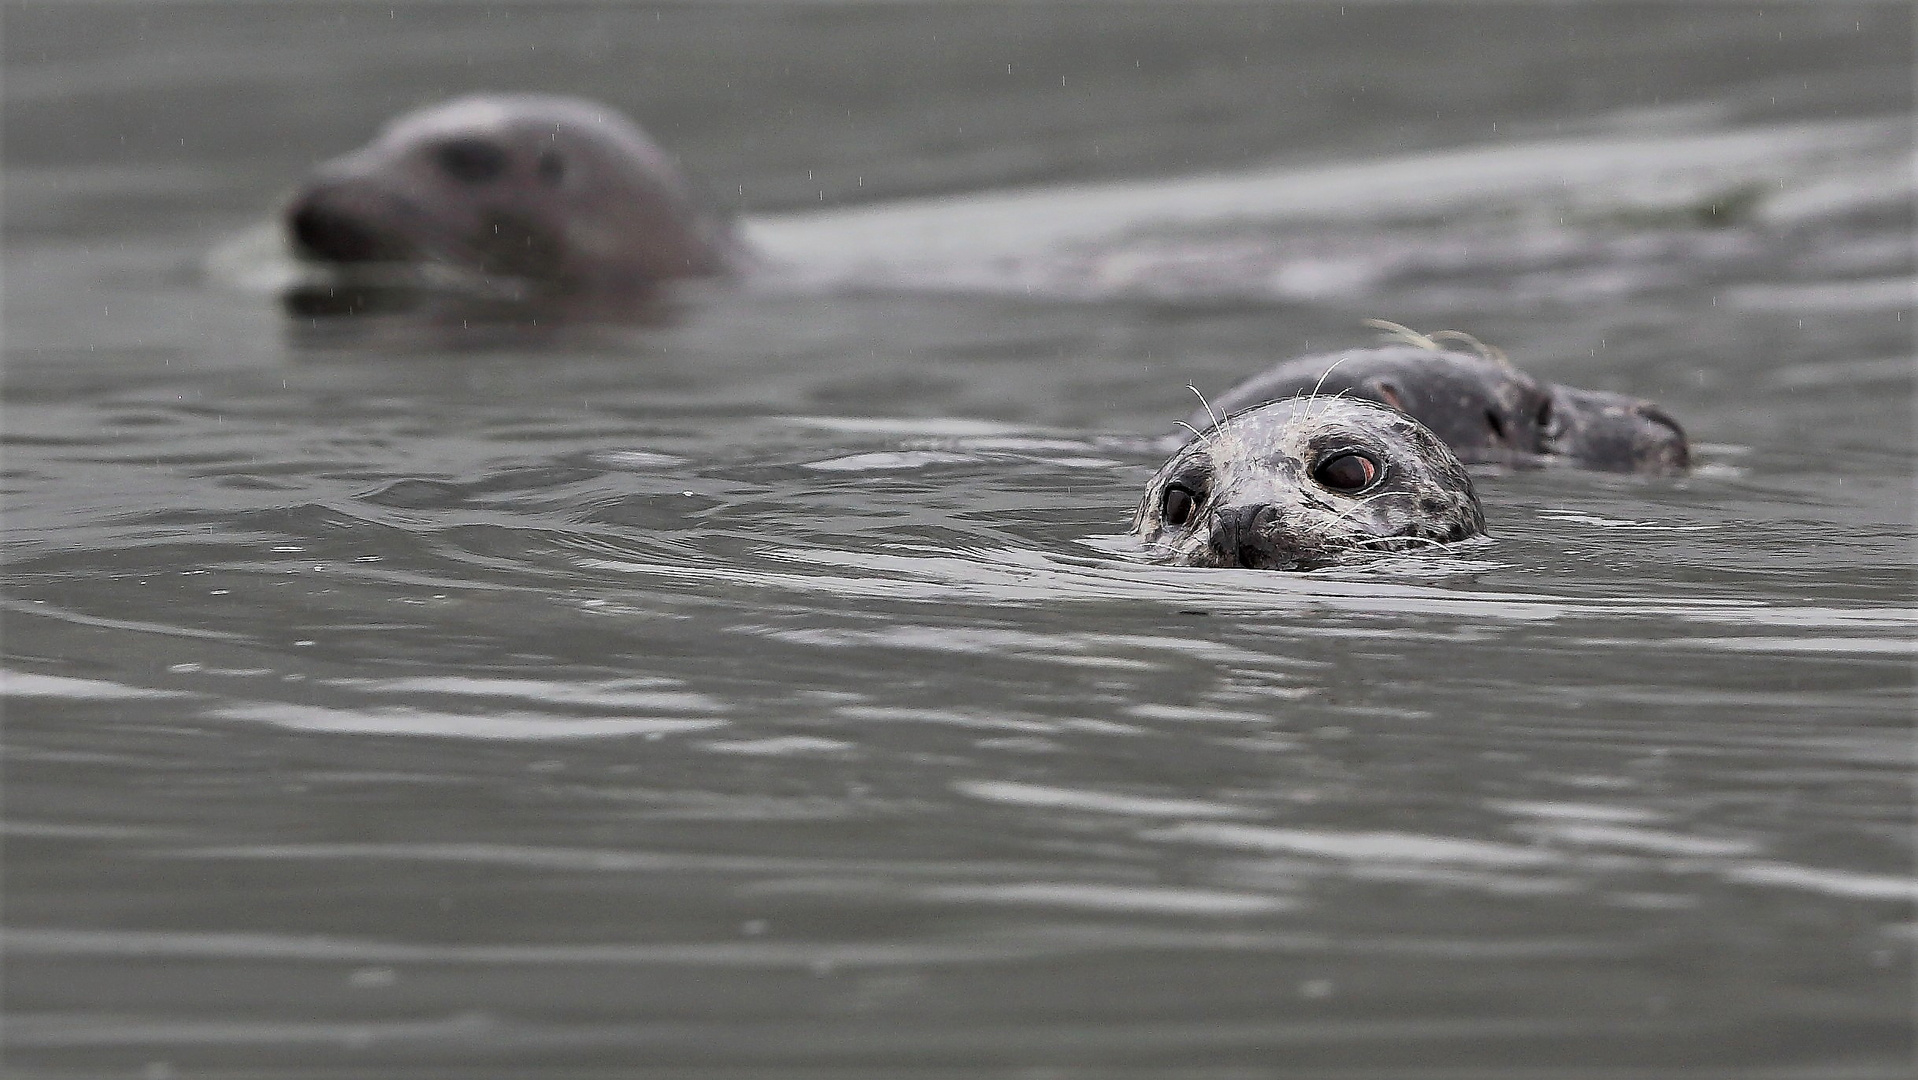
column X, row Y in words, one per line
column 1263, row 458
column 1486, row 410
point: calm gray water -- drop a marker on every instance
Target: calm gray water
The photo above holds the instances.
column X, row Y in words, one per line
column 762, row 694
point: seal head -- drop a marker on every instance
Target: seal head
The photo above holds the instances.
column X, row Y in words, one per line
column 1483, row 408
column 1302, row 483
column 557, row 194
column 1598, row 429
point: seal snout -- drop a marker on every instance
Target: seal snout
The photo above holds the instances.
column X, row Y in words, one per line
column 1604, row 430
column 323, row 226
column 1665, row 444
column 1255, row 537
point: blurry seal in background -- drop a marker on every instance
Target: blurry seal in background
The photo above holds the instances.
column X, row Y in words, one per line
column 503, row 198
column 1486, row 410
column 1305, row 482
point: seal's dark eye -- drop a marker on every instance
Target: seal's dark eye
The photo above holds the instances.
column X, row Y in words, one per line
column 472, row 161
column 1545, row 414
column 1496, row 423
column 1348, row 472
column 1178, row 505
column 550, row 166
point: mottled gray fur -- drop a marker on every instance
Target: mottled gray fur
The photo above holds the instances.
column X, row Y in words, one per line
column 1257, row 505
column 1483, row 408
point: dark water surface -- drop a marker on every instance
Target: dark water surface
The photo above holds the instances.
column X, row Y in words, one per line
column 761, row 694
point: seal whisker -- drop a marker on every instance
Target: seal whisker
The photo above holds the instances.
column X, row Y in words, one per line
column 1328, row 398
column 1204, row 439
column 1426, row 540
column 1488, row 352
column 1323, row 375
column 1205, row 403
column 1350, row 510
column 1400, row 332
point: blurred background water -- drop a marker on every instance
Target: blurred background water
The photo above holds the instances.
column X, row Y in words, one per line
column 755, row 695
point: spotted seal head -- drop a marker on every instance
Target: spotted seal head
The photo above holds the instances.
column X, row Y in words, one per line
column 1304, row 482
column 1486, row 410
column 561, row 194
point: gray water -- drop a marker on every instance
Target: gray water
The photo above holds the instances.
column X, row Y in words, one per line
column 764, row 694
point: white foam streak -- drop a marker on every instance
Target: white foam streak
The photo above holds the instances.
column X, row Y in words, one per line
column 1360, row 846
column 511, row 727
column 28, row 684
column 981, row 242
column 1010, row 793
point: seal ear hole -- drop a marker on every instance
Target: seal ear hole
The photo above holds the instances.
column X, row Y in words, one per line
column 551, row 166
column 1389, row 394
column 1347, row 472
column 1178, row 504
column 471, row 161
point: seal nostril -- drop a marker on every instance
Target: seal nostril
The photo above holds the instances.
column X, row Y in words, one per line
column 1249, row 535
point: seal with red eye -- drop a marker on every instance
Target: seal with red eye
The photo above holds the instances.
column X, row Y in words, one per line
column 1303, row 483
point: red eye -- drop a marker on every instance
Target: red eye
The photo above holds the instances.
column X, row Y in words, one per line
column 1347, row 472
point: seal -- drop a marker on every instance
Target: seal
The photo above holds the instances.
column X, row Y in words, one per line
column 1485, row 409
column 1304, row 482
column 511, row 194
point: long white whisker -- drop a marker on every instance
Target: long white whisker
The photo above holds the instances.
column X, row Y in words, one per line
column 1350, row 510
column 1404, row 333
column 1426, row 540
column 1487, row 352
column 1324, row 375
column 1204, row 439
column 1205, row 403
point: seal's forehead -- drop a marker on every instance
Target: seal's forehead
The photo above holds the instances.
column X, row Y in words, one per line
column 501, row 114
column 1290, row 423
column 1262, row 439
column 472, row 115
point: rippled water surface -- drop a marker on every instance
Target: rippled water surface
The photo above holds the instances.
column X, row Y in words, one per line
column 766, row 692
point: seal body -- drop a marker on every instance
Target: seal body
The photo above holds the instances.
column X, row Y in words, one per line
column 546, row 194
column 1483, row 408
column 1303, row 482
